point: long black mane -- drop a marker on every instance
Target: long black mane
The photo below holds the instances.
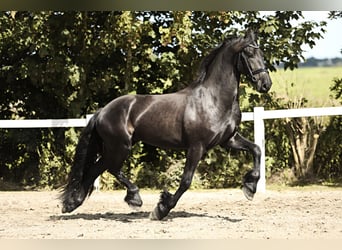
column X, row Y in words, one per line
column 208, row 59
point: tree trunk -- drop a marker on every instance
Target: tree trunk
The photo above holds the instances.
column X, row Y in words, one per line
column 303, row 141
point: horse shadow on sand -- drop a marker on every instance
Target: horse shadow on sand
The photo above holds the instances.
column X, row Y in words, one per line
column 134, row 216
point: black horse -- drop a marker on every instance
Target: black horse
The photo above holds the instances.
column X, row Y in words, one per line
column 197, row 118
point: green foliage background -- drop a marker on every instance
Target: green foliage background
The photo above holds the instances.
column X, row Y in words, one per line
column 68, row 64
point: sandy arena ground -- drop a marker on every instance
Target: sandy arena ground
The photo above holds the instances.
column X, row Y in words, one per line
column 215, row 214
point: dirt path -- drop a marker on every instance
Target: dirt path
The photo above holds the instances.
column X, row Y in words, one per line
column 214, row 214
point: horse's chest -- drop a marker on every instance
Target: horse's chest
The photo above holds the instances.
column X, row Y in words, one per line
column 212, row 126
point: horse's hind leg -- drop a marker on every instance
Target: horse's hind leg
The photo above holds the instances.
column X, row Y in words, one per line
column 114, row 158
column 132, row 198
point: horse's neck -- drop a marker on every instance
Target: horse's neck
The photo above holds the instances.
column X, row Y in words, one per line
column 224, row 87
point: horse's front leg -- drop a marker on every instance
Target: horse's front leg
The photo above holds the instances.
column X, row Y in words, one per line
column 168, row 200
column 252, row 177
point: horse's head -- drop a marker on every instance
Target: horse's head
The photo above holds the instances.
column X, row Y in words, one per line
column 250, row 62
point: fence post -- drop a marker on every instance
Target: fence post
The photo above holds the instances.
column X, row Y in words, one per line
column 259, row 139
column 97, row 181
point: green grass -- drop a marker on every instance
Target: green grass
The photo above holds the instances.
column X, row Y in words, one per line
column 310, row 83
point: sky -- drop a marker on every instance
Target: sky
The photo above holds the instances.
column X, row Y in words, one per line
column 331, row 44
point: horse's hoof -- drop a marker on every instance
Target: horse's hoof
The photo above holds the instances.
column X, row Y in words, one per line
column 248, row 193
column 154, row 215
column 159, row 212
column 133, row 199
column 136, row 204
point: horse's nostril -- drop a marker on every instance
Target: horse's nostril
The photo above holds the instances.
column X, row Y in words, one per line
column 264, row 87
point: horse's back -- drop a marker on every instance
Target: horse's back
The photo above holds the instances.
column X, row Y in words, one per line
column 158, row 119
column 116, row 110
column 155, row 119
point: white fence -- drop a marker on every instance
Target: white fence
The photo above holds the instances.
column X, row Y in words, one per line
column 258, row 116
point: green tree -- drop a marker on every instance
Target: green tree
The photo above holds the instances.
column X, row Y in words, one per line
column 329, row 148
column 57, row 64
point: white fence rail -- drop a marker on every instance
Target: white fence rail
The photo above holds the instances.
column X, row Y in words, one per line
column 46, row 123
column 258, row 116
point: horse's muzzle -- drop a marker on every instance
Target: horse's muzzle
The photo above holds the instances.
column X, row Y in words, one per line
column 264, row 83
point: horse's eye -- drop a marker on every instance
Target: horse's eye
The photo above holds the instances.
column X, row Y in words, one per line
column 249, row 53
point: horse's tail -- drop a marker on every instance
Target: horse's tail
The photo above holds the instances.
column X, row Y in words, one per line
column 79, row 183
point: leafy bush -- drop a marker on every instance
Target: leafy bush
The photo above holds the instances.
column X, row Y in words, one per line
column 328, row 160
column 329, row 149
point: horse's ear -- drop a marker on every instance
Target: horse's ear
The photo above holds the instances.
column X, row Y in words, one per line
column 251, row 35
column 243, row 42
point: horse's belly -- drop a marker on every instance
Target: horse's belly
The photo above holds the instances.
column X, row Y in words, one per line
column 159, row 138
